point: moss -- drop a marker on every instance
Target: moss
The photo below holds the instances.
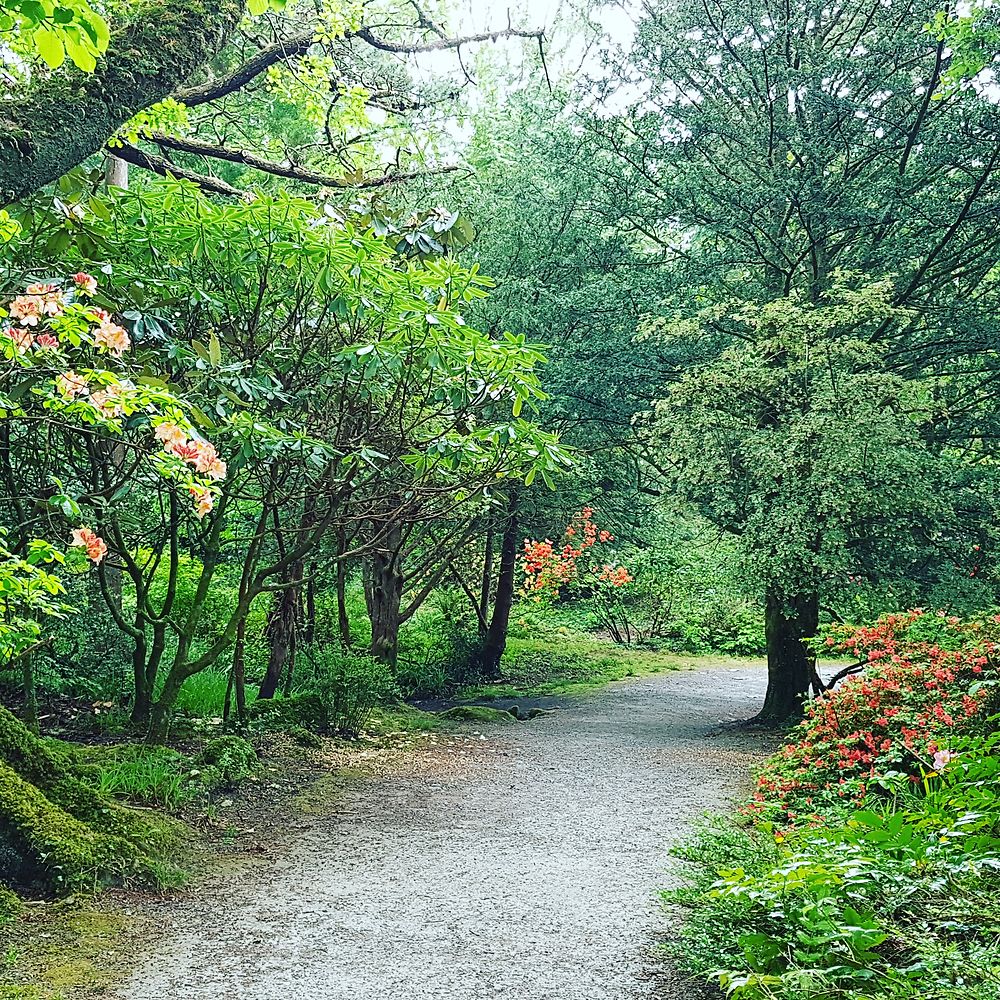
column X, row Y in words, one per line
column 319, row 797
column 70, row 951
column 58, row 830
column 227, row 761
column 300, row 709
column 305, row 738
column 477, row 713
column 404, row 718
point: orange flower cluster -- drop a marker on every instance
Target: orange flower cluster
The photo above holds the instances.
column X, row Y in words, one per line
column 90, row 541
column 923, row 686
column 548, row 568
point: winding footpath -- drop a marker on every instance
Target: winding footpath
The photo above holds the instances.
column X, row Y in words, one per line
column 528, row 873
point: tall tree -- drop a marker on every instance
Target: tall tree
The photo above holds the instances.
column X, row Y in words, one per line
column 776, row 150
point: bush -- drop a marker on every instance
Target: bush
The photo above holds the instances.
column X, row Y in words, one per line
column 882, row 880
column 346, row 687
column 928, row 680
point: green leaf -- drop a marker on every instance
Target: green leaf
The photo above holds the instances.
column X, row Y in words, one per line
column 50, row 47
column 214, row 350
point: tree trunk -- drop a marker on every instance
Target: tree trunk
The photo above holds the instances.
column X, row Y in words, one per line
column 237, row 679
column 57, row 122
column 496, row 635
column 486, row 583
column 790, row 664
column 385, row 597
column 116, row 172
column 281, row 632
column 343, row 618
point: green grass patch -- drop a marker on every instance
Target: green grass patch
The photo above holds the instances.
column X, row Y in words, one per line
column 570, row 662
column 203, row 695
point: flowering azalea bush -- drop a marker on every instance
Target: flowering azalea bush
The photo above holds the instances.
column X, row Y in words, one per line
column 869, row 867
column 550, row 567
column 928, row 680
column 54, row 330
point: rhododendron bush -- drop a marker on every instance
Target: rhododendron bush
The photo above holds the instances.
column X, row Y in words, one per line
column 63, row 363
column 928, row 681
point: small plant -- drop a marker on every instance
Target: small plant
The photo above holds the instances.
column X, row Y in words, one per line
column 347, row 686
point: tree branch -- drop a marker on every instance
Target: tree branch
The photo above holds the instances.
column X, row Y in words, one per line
column 162, row 166
column 286, row 48
column 62, row 120
column 289, row 170
column 441, row 44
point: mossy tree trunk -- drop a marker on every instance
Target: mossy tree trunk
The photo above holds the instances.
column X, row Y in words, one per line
column 62, row 119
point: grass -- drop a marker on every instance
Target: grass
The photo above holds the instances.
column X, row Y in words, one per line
column 156, row 776
column 567, row 661
column 204, row 694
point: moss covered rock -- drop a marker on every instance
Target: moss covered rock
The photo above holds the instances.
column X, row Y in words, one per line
column 477, row 713
column 55, row 829
column 227, row 761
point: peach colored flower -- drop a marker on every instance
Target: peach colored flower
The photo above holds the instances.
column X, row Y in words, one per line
column 108, row 401
column 27, row 309
column 46, row 341
column 22, row 338
column 70, row 384
column 170, row 435
column 207, row 460
column 185, row 450
column 112, row 338
column 85, row 282
column 86, row 538
column 204, row 501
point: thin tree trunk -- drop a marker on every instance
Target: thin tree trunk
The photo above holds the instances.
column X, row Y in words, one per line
column 281, row 632
column 486, row 583
column 343, row 618
column 495, row 641
column 116, row 172
column 790, row 664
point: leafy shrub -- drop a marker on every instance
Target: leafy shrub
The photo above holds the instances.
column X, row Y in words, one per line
column 346, row 686
column 300, row 708
column 928, row 680
column 882, row 881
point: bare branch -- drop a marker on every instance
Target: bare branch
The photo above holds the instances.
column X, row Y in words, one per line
column 289, row 170
column 441, row 44
column 162, row 166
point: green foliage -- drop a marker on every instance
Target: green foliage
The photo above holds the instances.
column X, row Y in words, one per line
column 226, row 761
column 346, row 686
column 153, row 776
column 50, row 31
column 882, row 881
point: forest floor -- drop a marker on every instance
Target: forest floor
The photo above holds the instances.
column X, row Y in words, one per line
column 518, row 860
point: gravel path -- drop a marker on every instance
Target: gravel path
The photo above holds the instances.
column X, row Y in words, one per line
column 528, row 870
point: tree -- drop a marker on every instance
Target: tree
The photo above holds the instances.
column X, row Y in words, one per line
column 174, row 69
column 775, row 149
column 340, row 382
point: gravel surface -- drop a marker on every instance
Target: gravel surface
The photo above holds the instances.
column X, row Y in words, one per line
column 519, row 863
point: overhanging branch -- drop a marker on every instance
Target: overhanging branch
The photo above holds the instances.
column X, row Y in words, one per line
column 289, row 170
column 162, row 166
